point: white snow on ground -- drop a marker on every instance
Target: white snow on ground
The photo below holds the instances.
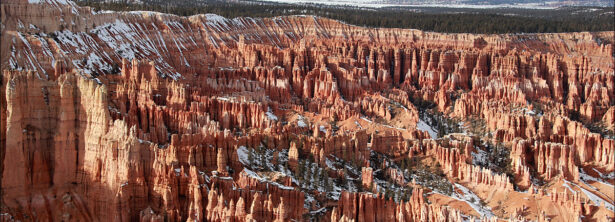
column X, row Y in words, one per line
column 283, row 156
column 308, row 200
column 30, row 54
column 270, row 115
column 224, row 98
column 242, row 155
column 93, row 62
column 369, row 121
column 330, row 164
column 471, row 199
column 392, row 127
column 479, row 157
column 181, row 53
column 421, row 125
column 351, row 186
column 46, row 49
column 53, row 2
column 335, row 195
column 300, row 123
column 366, row 119
column 568, row 186
column 610, row 175
column 585, row 177
column 128, row 40
column 204, row 175
column 321, row 210
column 260, row 161
column 322, row 129
column 177, row 171
column 261, row 179
column 268, row 157
column 358, row 125
column 596, row 199
column 213, row 19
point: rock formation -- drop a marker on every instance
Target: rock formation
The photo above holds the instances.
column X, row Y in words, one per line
column 145, row 116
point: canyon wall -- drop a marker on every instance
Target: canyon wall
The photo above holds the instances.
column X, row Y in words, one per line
column 145, row 116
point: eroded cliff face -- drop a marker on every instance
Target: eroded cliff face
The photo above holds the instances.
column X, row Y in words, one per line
column 111, row 116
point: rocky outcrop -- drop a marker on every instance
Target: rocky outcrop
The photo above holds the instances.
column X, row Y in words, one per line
column 367, row 207
column 549, row 159
column 367, row 178
column 609, row 119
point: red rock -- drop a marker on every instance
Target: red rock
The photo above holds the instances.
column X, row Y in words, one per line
column 372, row 208
column 367, row 178
column 84, row 141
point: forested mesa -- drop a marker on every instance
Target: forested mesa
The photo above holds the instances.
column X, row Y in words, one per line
column 438, row 19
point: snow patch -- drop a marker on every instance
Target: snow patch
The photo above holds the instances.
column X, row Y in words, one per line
column 366, row 119
column 568, row 186
column 421, row 125
column 586, row 177
column 254, row 175
column 300, row 123
column 322, row 129
column 242, row 155
column 471, row 199
column 270, row 115
column 358, row 124
column 63, row 2
column 596, row 199
column 479, row 157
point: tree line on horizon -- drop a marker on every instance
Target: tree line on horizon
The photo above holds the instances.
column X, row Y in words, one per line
column 482, row 22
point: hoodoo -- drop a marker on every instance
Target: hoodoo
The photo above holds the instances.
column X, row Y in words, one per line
column 146, row 116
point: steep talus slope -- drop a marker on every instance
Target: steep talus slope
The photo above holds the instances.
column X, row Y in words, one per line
column 111, row 116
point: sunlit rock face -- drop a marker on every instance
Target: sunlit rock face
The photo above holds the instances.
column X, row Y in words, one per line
column 143, row 116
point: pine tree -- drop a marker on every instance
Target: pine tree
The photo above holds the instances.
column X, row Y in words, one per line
column 285, row 164
column 441, row 128
column 299, row 171
column 321, row 178
column 326, row 181
column 343, row 178
column 308, row 170
column 315, row 178
column 263, row 159
column 406, row 196
column 250, row 156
